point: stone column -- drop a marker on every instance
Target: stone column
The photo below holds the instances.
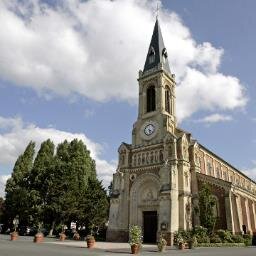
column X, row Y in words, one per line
column 253, row 217
column 254, row 213
column 249, row 228
column 229, row 212
column 239, row 213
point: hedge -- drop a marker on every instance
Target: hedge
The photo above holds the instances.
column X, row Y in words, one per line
column 220, row 245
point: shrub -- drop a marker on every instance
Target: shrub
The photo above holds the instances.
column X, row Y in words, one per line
column 225, row 236
column 221, row 245
column 215, row 239
column 201, row 234
column 247, row 239
column 204, row 239
column 237, row 239
column 184, row 235
column 135, row 235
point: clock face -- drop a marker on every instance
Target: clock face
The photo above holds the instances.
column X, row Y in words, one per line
column 149, row 129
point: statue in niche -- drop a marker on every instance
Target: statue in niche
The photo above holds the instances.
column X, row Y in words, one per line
column 185, row 151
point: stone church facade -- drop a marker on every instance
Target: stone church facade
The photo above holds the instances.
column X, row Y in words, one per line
column 159, row 175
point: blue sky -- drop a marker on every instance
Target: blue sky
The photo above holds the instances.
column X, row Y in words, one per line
column 69, row 70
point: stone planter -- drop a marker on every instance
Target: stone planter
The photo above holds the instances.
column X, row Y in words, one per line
column 38, row 238
column 14, row 236
column 135, row 248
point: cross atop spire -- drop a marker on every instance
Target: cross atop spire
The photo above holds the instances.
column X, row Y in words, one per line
column 157, row 53
column 157, row 10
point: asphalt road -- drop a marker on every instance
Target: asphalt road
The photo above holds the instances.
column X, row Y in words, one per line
column 25, row 247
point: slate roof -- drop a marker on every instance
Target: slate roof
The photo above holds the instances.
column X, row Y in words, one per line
column 157, row 46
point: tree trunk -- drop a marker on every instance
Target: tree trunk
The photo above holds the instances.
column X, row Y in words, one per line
column 52, row 228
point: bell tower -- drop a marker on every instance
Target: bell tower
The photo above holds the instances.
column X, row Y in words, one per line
column 156, row 113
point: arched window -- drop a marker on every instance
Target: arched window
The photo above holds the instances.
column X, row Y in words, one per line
column 151, row 55
column 167, row 100
column 151, row 99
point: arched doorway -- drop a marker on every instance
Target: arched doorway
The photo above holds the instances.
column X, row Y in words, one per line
column 144, row 206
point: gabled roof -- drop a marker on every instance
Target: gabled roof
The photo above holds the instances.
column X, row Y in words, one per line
column 158, row 49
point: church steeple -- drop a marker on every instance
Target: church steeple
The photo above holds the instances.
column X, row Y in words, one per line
column 157, row 54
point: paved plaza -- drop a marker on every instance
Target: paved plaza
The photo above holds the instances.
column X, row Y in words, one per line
column 52, row 247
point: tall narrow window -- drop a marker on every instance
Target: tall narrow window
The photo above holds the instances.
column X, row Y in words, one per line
column 167, row 100
column 151, row 99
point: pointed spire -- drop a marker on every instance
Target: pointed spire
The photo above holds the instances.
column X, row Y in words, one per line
column 157, row 53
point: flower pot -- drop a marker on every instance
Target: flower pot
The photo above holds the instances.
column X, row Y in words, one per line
column 135, row 248
column 181, row 246
column 162, row 248
column 62, row 236
column 14, row 236
column 76, row 236
column 90, row 243
column 38, row 238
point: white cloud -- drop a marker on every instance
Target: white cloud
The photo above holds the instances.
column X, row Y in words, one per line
column 3, row 179
column 95, row 48
column 214, row 118
column 13, row 142
column 213, row 91
column 251, row 172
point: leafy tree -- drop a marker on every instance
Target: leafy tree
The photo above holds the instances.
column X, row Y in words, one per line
column 56, row 188
column 94, row 206
column 77, row 167
column 17, row 187
column 40, row 180
column 2, row 209
column 206, row 205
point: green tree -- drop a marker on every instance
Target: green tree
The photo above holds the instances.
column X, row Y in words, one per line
column 77, row 167
column 94, row 206
column 40, row 181
column 17, row 187
column 2, row 209
column 206, row 206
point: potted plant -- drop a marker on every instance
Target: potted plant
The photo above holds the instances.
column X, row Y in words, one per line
column 135, row 238
column 62, row 234
column 14, row 234
column 181, row 243
column 192, row 242
column 76, row 236
column 161, row 245
column 90, row 241
column 39, row 236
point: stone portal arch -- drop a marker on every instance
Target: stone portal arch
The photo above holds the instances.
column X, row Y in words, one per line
column 144, row 195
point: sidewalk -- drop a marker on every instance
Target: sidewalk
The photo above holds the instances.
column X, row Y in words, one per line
column 100, row 245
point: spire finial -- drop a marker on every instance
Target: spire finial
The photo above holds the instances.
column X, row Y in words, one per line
column 157, row 10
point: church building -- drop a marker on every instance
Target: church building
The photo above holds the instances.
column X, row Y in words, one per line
column 159, row 175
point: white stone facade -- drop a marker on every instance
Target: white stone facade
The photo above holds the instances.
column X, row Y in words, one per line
column 159, row 174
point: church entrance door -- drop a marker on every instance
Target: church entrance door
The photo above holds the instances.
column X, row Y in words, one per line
column 149, row 226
